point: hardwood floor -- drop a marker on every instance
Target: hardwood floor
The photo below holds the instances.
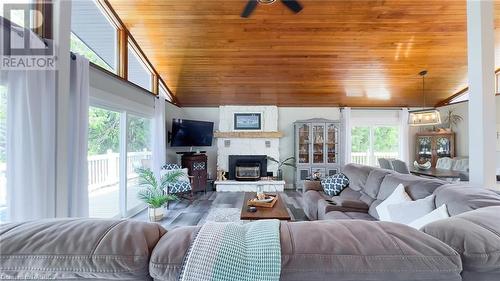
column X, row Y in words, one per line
column 185, row 213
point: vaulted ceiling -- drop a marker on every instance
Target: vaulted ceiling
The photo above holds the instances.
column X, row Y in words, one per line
column 342, row 52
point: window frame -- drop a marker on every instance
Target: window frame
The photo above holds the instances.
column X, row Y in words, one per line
column 136, row 52
column 123, row 149
column 372, row 160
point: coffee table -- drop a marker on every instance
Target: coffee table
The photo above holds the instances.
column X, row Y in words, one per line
column 278, row 211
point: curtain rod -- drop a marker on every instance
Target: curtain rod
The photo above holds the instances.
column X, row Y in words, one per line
column 376, row 108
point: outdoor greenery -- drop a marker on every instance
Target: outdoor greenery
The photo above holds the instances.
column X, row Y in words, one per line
column 104, row 132
column 385, row 139
column 153, row 190
column 3, row 122
column 77, row 46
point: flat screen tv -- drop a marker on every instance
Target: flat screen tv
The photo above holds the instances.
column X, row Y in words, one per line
column 192, row 133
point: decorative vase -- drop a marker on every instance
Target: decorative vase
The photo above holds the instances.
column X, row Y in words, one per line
column 156, row 214
column 280, row 174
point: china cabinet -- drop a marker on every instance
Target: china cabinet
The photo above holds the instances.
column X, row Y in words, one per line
column 317, row 148
column 430, row 146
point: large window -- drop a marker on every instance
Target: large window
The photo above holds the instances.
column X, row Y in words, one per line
column 138, row 72
column 138, row 155
column 93, row 34
column 104, row 163
column 3, row 155
column 111, row 193
column 164, row 93
column 369, row 143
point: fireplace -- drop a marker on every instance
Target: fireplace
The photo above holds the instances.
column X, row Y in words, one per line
column 247, row 167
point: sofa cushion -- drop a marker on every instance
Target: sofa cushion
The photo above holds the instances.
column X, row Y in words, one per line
column 349, row 194
column 357, row 175
column 333, row 185
column 366, row 198
column 336, row 215
column 475, row 235
column 374, row 181
column 461, row 198
column 326, row 206
column 416, row 187
column 344, row 250
column 78, row 249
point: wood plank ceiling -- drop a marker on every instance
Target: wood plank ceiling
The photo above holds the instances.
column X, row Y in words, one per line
column 349, row 53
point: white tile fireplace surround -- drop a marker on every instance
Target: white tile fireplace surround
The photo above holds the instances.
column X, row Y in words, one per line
column 245, row 144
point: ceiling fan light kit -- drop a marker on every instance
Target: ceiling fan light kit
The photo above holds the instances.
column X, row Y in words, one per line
column 293, row 5
column 424, row 117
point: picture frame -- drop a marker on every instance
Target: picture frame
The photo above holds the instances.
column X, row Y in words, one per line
column 248, row 121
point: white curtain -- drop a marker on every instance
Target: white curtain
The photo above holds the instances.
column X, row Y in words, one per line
column 404, row 133
column 346, row 129
column 31, row 140
column 159, row 136
column 78, row 139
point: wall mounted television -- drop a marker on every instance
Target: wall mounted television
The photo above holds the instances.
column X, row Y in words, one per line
column 186, row 133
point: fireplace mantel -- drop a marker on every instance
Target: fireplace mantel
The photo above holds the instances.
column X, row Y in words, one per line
column 248, row 135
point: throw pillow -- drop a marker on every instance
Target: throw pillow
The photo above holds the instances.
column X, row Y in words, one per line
column 399, row 195
column 409, row 211
column 333, row 185
column 438, row 214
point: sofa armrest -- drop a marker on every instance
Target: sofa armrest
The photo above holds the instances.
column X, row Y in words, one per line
column 325, row 206
column 312, row 185
column 350, row 203
column 475, row 235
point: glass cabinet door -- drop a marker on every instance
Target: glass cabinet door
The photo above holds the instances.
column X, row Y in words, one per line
column 443, row 147
column 424, row 148
column 331, row 143
column 318, row 143
column 304, row 144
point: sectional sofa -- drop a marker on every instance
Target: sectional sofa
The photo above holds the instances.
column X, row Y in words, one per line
column 338, row 247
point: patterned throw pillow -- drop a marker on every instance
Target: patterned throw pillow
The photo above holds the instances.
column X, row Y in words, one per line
column 183, row 184
column 333, row 185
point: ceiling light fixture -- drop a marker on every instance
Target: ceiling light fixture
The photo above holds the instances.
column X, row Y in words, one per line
column 426, row 116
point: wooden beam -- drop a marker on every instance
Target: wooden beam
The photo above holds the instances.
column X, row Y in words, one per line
column 249, row 135
column 123, row 54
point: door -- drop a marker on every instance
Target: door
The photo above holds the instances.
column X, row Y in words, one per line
column 318, row 149
column 332, row 143
column 303, row 143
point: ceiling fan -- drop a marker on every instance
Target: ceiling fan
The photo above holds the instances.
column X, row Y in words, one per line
column 293, row 5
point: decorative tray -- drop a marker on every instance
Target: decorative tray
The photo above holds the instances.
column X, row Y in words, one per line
column 266, row 203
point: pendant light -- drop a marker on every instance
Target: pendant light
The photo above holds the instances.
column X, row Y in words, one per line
column 426, row 116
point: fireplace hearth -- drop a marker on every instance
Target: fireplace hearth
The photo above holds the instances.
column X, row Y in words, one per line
column 247, row 167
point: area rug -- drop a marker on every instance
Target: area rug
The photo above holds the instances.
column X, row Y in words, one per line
column 223, row 215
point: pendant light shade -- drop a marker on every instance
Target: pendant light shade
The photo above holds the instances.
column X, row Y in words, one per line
column 424, row 117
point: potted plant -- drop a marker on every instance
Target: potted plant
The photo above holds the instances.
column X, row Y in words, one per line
column 452, row 119
column 281, row 164
column 153, row 193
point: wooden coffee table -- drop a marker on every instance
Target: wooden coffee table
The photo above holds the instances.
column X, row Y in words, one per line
column 278, row 211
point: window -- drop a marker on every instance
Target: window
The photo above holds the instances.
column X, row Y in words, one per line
column 104, row 163
column 369, row 143
column 111, row 193
column 93, row 34
column 138, row 72
column 165, row 93
column 138, row 156
column 3, row 154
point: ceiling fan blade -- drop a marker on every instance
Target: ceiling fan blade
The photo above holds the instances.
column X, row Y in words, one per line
column 249, row 8
column 293, row 5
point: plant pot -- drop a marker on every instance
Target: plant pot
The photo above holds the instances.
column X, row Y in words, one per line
column 280, row 175
column 156, row 214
